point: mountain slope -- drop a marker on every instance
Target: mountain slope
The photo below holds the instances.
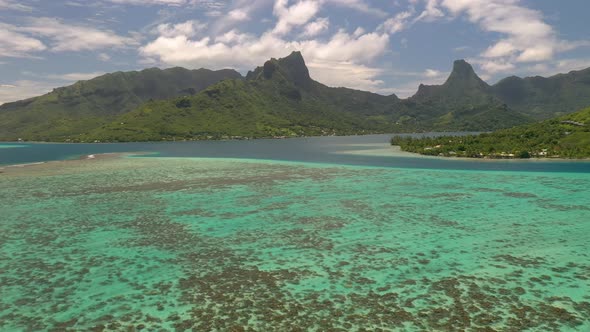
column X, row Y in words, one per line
column 277, row 99
column 567, row 136
column 543, row 98
column 72, row 110
column 462, row 85
column 293, row 69
column 463, row 102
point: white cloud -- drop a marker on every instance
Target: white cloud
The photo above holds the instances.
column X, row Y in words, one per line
column 566, row 65
column 150, row 2
column 340, row 59
column 556, row 67
column 427, row 77
column 500, row 49
column 188, row 28
column 359, row 5
column 397, row 23
column 24, row 89
column 11, row 5
column 72, row 77
column 525, row 36
column 358, row 32
column 214, row 13
column 290, row 16
column 496, row 66
column 240, row 11
column 43, row 33
column 39, row 84
column 345, row 47
column 432, row 73
column 431, row 12
column 245, row 51
column 345, row 73
column 234, row 37
column 336, row 61
column 316, row 27
column 61, row 78
column 66, row 37
column 15, row 44
column 103, row 57
column 238, row 15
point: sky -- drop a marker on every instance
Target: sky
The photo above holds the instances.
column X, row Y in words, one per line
column 384, row 46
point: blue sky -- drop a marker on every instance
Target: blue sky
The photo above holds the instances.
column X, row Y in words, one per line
column 387, row 46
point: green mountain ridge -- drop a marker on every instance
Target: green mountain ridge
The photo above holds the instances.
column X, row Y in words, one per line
column 464, row 102
column 567, row 136
column 81, row 107
column 461, row 80
column 278, row 99
column 543, row 98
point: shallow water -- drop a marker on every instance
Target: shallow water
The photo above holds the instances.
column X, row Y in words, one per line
column 12, row 146
column 370, row 150
column 221, row 244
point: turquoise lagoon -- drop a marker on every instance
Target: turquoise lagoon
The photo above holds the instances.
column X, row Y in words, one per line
column 124, row 242
column 11, row 146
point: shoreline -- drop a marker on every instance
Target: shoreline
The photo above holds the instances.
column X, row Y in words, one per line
column 428, row 133
column 494, row 159
column 85, row 157
column 386, row 151
column 396, row 151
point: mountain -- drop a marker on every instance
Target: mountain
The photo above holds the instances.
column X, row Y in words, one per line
column 75, row 109
column 464, row 102
column 292, row 70
column 543, row 98
column 462, row 85
column 567, row 136
column 277, row 99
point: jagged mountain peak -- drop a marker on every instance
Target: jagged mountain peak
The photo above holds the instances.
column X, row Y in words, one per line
column 291, row 68
column 295, row 58
column 462, row 67
column 463, row 81
column 463, row 74
column 294, row 66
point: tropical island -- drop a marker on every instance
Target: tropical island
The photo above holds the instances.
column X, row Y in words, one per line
column 246, row 181
column 280, row 99
column 563, row 137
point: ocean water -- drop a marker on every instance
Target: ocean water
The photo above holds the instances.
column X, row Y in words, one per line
column 370, row 150
column 12, row 146
column 124, row 242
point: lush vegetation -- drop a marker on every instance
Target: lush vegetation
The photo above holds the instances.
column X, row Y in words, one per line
column 463, row 103
column 67, row 112
column 544, row 98
column 565, row 137
column 278, row 99
column 467, row 103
